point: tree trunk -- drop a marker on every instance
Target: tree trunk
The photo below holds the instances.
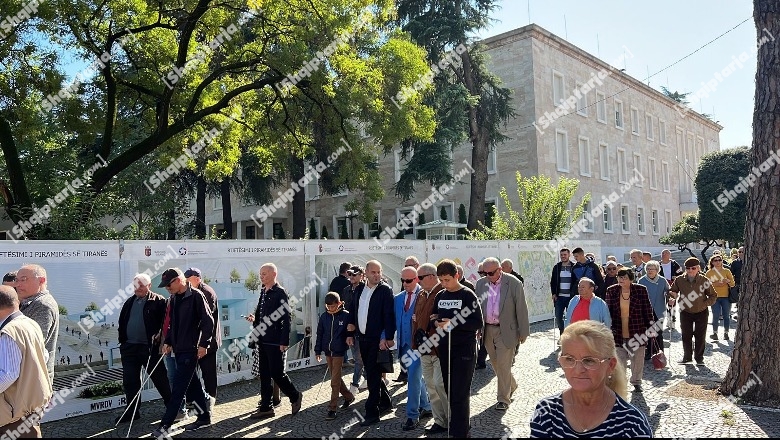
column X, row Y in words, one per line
column 299, row 201
column 227, row 214
column 754, row 372
column 704, row 254
column 479, row 151
column 171, row 225
column 200, row 208
column 15, row 191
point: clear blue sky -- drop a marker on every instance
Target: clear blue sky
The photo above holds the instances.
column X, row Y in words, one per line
column 659, row 34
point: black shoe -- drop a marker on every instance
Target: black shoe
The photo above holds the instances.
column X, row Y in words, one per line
column 263, row 413
column 480, row 366
column 346, row 403
column 699, row 361
column 425, row 414
column 331, row 415
column 637, row 387
column 714, row 336
column 297, row 405
column 726, row 337
column 403, row 378
column 197, row 425
column 385, row 410
column 435, row 429
column 411, row 424
column 369, row 421
column 127, row 418
column 685, row 361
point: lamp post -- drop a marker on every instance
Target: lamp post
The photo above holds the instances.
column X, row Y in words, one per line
column 350, row 215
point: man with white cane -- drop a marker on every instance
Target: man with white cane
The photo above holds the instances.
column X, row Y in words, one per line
column 140, row 321
column 189, row 337
column 458, row 316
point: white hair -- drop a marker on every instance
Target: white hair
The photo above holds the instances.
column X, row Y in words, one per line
column 143, row 279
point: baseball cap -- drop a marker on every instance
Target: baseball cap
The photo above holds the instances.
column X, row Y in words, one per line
column 610, row 263
column 692, row 262
column 168, row 276
column 192, row 271
column 355, row 270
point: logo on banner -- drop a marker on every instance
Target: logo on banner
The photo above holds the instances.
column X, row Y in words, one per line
column 148, row 251
column 182, row 251
column 471, row 263
column 320, row 248
column 433, row 246
column 447, row 246
column 341, row 248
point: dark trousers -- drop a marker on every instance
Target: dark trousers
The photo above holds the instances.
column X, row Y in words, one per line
column 482, row 353
column 378, row 396
column 208, row 369
column 186, row 382
column 463, row 359
column 33, row 431
column 693, row 325
column 134, row 359
column 272, row 367
column 560, row 308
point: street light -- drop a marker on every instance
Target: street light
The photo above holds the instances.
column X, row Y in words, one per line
column 350, row 215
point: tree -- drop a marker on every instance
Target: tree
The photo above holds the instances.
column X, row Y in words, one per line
column 312, row 229
column 343, row 232
column 91, row 307
column 676, row 96
column 543, row 213
column 421, row 232
column 462, row 218
column 252, row 282
column 684, row 233
column 324, row 232
column 720, row 175
column 758, row 335
column 442, row 213
column 63, row 310
column 235, row 277
column 361, row 235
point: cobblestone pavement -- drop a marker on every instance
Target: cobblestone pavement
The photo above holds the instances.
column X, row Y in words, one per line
column 680, row 401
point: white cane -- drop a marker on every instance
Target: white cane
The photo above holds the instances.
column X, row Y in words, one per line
column 449, row 381
column 321, row 383
column 555, row 341
column 138, row 400
column 139, row 391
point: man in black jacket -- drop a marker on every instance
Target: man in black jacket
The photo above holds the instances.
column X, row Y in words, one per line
column 372, row 318
column 339, row 283
column 140, row 321
column 271, row 323
column 188, row 337
column 585, row 267
column 208, row 363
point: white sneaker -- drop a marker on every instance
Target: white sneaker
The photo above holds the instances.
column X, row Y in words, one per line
column 212, row 402
column 353, row 389
column 363, row 385
column 182, row 416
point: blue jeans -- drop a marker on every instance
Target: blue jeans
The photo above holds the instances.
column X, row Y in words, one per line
column 722, row 305
column 170, row 366
column 186, row 382
column 358, row 363
column 417, row 393
column 560, row 307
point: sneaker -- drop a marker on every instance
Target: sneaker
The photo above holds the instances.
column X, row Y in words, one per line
column 402, row 378
column 212, row 402
column 714, row 336
column 637, row 387
column 480, row 366
column 331, row 415
column 363, row 385
column 346, row 403
column 165, row 432
column 354, row 389
column 685, row 361
column 296, row 406
column 726, row 336
column 435, row 429
column 411, row 424
column 501, row 406
column 425, row 414
column 263, row 414
column 197, row 425
column 182, row 417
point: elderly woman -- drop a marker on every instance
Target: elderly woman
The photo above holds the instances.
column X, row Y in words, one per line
column 587, row 305
column 658, row 291
column 721, row 279
column 594, row 405
column 632, row 316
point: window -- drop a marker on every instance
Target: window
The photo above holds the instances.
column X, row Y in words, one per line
column 446, row 209
column 649, row 127
column 665, row 175
column 662, row 131
column 562, row 151
column 587, row 216
column 668, row 220
column 634, row 121
column 656, row 228
column 679, row 145
column 621, row 164
column 375, row 226
column 604, row 161
column 402, row 213
column 607, row 217
column 584, row 156
column 652, row 173
column 341, row 225
column 558, row 88
column 582, row 102
column 640, row 219
column 225, row 314
column 400, row 163
column 491, row 160
column 226, row 331
column 489, row 213
column 637, row 168
column 278, row 231
column 250, row 233
column 217, row 202
column 625, row 226
column 619, row 114
column 312, row 189
column 601, row 107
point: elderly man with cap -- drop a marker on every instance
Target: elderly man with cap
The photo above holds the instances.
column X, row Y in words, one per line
column 208, row 363
column 189, row 336
column 140, row 321
column 695, row 293
column 9, row 279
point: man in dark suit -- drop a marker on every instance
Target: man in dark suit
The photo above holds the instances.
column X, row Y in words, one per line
column 372, row 318
column 462, row 278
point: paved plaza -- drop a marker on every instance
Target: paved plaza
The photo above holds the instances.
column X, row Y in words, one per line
column 681, row 402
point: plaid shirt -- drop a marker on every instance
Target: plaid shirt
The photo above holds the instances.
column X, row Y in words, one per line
column 640, row 311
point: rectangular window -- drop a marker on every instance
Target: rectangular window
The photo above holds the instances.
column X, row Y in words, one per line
column 447, row 210
column 225, row 314
column 619, row 114
column 582, row 102
column 217, row 202
column 625, row 226
column 649, row 126
column 562, row 151
column 408, row 232
column 637, row 168
column 601, row 107
column 558, row 88
column 662, row 131
column 341, row 226
column 621, row 164
column 668, row 221
column 584, row 156
column 665, row 176
column 312, row 189
column 656, row 228
column 634, row 121
column 250, row 233
column 375, row 226
column 491, row 161
column 586, row 215
column 640, row 219
column 652, row 173
column 278, row 231
column 607, row 217
column 604, row 161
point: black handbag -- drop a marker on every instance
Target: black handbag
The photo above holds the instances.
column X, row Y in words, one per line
column 734, row 294
column 384, row 360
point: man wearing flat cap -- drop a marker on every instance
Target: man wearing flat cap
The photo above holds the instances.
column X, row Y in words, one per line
column 208, row 363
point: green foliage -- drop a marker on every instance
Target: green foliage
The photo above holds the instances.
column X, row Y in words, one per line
column 312, row 229
column 676, row 96
column 63, row 310
column 343, row 232
column 105, row 389
column 324, row 232
column 685, row 232
column 543, row 213
column 718, row 172
column 421, row 232
column 361, row 235
column 462, row 218
column 91, row 307
column 443, row 213
column 280, row 234
column 252, row 282
column 235, row 277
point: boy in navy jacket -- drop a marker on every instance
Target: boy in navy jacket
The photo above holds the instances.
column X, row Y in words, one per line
column 332, row 339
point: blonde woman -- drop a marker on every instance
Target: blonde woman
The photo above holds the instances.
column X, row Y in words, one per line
column 722, row 279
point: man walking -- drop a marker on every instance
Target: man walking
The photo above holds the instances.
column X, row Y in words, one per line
column 271, row 327
column 695, row 294
column 140, row 321
column 561, row 283
column 208, row 363
column 506, row 267
column 506, row 323
column 373, row 319
column 38, row 304
column 25, row 387
column 340, row 282
column 355, row 274
column 188, row 337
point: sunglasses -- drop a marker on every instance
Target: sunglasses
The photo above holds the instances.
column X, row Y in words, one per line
column 405, row 281
column 482, row 274
column 692, row 268
column 490, row 274
column 422, row 277
column 717, row 261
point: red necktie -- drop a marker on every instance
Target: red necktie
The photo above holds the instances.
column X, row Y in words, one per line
column 408, row 302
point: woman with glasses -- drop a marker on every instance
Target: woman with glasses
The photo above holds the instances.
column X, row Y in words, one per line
column 594, row 405
column 658, row 291
column 722, row 279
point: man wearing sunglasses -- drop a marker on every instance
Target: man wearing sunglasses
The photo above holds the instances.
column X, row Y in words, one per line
column 696, row 294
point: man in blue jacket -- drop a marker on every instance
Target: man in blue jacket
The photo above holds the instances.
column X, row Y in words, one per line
column 373, row 319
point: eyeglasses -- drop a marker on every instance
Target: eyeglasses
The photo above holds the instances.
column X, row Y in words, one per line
column 405, row 281
column 21, row 279
column 422, row 277
column 481, row 273
column 692, row 268
column 490, row 274
column 612, row 268
column 590, row 363
column 717, row 261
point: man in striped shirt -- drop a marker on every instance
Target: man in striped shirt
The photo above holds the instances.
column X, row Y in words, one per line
column 561, row 286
